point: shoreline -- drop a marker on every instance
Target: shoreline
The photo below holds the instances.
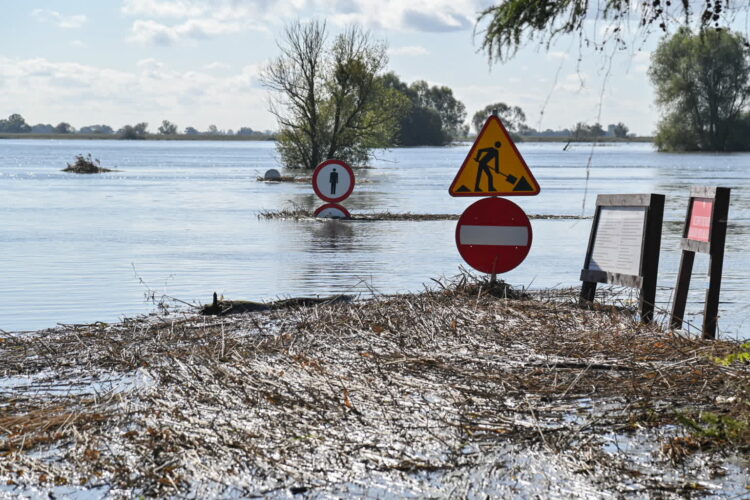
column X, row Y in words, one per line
column 466, row 388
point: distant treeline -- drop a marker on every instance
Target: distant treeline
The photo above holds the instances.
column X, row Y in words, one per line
column 16, row 124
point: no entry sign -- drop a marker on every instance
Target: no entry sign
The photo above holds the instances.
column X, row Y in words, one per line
column 333, row 180
column 493, row 235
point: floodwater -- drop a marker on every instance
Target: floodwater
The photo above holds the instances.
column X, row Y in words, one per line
column 181, row 219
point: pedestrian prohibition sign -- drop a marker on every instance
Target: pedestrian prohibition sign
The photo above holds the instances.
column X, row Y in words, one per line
column 332, row 211
column 333, row 180
column 494, row 167
column 493, row 235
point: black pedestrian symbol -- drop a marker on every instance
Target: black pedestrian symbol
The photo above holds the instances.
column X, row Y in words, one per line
column 333, row 179
column 484, row 157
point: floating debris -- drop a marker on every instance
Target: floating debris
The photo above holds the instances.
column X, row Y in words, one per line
column 466, row 388
column 298, row 213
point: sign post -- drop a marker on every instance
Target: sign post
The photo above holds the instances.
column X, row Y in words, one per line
column 494, row 235
column 624, row 247
column 705, row 232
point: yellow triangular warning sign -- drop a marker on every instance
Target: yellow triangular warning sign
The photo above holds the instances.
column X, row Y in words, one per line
column 494, row 167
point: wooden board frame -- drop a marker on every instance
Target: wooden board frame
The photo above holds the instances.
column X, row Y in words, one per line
column 714, row 247
column 649, row 259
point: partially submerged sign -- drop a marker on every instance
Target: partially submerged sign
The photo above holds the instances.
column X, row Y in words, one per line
column 494, row 166
column 493, row 235
column 333, row 180
column 705, row 232
column 624, row 246
column 332, row 211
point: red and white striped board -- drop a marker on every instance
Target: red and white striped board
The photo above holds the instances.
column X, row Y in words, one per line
column 493, row 235
column 332, row 211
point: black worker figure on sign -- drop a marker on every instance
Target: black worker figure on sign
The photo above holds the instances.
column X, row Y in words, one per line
column 484, row 157
column 333, row 179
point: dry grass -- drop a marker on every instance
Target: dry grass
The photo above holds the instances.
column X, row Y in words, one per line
column 298, row 213
column 409, row 392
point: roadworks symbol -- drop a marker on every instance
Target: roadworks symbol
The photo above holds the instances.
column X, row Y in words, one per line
column 494, row 166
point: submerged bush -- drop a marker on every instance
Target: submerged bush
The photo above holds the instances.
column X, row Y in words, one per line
column 86, row 165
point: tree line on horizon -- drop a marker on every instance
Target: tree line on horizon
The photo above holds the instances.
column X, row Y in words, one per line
column 16, row 124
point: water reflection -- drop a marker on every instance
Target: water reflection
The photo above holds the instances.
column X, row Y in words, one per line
column 331, row 236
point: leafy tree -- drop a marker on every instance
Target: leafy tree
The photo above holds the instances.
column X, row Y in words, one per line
column 702, row 85
column 213, row 130
column 510, row 24
column 586, row 131
column 421, row 127
column 42, row 128
column 14, row 124
column 452, row 111
column 64, row 128
column 620, row 130
column 434, row 116
column 167, row 128
column 245, row 131
column 512, row 117
column 137, row 131
column 96, row 129
column 329, row 102
column 191, row 131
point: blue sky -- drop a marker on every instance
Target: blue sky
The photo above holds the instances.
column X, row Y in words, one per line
column 196, row 63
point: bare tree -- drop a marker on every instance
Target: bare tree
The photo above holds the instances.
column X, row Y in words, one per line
column 328, row 100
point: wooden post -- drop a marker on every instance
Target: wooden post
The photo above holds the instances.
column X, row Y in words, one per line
column 650, row 262
column 588, row 288
column 681, row 289
column 716, row 263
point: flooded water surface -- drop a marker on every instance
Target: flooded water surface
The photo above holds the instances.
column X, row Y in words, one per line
column 181, row 219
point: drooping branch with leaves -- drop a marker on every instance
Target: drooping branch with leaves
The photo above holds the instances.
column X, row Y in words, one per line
column 510, row 24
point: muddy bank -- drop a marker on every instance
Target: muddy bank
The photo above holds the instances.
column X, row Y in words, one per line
column 462, row 391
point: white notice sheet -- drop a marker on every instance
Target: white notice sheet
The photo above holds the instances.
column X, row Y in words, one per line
column 618, row 241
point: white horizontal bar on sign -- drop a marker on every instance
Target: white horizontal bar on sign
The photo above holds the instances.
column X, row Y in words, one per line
column 494, row 235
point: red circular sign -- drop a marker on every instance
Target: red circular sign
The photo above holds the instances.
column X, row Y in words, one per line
column 332, row 211
column 493, row 235
column 333, row 180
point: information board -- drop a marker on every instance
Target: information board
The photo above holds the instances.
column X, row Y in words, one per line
column 705, row 232
column 624, row 247
column 699, row 227
column 618, row 243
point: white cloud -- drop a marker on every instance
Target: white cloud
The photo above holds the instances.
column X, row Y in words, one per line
column 78, row 44
column 169, row 8
column 410, row 50
column 557, row 55
column 54, row 17
column 165, row 22
column 415, row 15
column 217, row 66
column 82, row 94
column 154, row 33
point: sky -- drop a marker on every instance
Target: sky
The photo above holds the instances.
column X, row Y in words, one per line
column 197, row 63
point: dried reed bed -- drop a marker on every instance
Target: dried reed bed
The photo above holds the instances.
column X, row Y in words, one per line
column 299, row 213
column 447, row 392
